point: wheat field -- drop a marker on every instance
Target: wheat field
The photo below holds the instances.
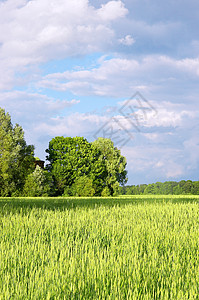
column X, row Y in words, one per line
column 119, row 248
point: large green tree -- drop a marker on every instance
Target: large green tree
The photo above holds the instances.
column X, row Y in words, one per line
column 115, row 164
column 72, row 158
column 16, row 157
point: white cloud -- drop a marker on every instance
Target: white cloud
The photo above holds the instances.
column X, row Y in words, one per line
column 75, row 124
column 173, row 170
column 128, row 40
column 32, row 108
column 33, row 32
column 112, row 10
column 121, row 76
column 159, row 161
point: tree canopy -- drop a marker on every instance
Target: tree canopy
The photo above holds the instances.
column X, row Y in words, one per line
column 16, row 157
column 71, row 158
column 114, row 162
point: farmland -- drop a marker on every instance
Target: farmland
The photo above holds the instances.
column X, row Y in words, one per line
column 137, row 247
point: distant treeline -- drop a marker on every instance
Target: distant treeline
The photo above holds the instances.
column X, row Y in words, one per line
column 162, row 188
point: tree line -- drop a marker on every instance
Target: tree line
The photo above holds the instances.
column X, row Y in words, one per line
column 182, row 187
column 75, row 166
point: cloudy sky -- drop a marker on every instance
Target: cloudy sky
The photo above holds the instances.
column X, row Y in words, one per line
column 127, row 70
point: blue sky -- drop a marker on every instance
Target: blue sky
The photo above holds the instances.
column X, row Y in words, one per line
column 128, row 70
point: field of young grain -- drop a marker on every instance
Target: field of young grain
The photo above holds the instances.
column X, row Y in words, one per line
column 125, row 248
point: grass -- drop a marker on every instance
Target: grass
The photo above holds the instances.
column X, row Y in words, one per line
column 100, row 248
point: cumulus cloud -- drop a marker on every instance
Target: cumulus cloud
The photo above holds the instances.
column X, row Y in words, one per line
column 157, row 163
column 32, row 108
column 33, row 32
column 121, row 76
column 128, row 40
column 164, row 28
column 112, row 10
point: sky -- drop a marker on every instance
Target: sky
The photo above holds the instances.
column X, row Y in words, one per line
column 126, row 70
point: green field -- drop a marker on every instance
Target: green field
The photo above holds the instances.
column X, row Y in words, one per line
column 117, row 248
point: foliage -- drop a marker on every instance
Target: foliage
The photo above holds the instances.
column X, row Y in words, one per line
column 16, row 157
column 36, row 158
column 105, row 192
column 162, row 188
column 83, row 187
column 70, row 158
column 114, row 162
column 73, row 158
column 37, row 183
column 135, row 249
column 71, row 162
